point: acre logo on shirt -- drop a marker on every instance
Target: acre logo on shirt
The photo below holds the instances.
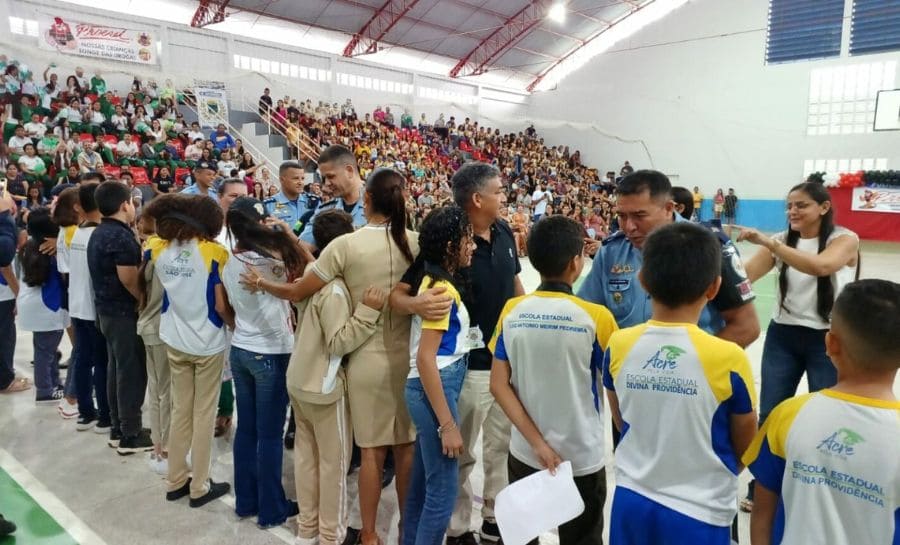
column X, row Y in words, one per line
column 840, row 443
column 665, row 359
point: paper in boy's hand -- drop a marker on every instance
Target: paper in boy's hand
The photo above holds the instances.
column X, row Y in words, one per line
column 529, row 507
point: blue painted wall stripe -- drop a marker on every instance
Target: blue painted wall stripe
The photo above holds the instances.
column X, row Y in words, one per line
column 765, row 215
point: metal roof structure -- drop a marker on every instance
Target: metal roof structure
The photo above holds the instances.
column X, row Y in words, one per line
column 479, row 35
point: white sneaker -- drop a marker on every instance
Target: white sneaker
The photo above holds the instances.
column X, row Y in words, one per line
column 306, row 541
column 67, row 410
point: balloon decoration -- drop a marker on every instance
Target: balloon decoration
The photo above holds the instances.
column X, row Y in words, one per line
column 879, row 178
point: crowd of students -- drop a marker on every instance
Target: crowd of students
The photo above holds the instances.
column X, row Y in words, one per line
column 391, row 373
column 545, row 180
column 53, row 133
column 407, row 344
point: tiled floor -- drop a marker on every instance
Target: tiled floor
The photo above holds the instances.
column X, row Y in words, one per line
column 96, row 497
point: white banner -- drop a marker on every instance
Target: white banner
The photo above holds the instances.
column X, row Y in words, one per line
column 71, row 37
column 876, row 199
column 212, row 106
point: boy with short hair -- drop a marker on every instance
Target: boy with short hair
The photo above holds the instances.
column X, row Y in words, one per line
column 114, row 255
column 682, row 399
column 548, row 348
column 329, row 329
column 829, row 462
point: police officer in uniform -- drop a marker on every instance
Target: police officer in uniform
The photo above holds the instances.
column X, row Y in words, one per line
column 644, row 202
column 340, row 172
column 204, row 176
column 290, row 203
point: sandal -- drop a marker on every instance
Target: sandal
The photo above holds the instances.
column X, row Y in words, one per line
column 746, row 505
column 19, row 384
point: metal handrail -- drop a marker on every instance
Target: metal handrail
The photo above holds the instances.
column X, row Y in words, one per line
column 306, row 146
column 261, row 159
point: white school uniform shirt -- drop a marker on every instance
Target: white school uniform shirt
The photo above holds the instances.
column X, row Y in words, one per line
column 81, row 291
column 40, row 307
column 63, row 244
column 262, row 321
column 189, row 321
column 455, row 341
column 554, row 344
column 677, row 388
column 834, row 460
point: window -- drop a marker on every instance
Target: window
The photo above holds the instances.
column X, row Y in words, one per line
column 804, row 29
column 264, row 66
column 17, row 25
column 295, row 71
column 304, row 72
column 245, row 62
column 31, row 28
column 843, row 166
column 254, row 64
column 842, row 98
column 237, row 61
column 874, row 26
column 285, row 69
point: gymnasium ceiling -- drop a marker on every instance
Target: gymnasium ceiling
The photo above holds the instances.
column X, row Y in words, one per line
column 481, row 35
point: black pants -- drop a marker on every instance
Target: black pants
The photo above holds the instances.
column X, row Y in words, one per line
column 126, row 378
column 587, row 528
column 7, row 342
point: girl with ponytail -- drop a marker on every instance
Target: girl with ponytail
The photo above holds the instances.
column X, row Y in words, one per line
column 815, row 259
column 375, row 255
column 260, row 350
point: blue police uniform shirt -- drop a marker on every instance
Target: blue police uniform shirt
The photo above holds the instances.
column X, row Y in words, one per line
column 613, row 282
column 359, row 218
column 286, row 210
column 195, row 190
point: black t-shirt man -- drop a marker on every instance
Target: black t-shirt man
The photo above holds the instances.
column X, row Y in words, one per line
column 492, row 277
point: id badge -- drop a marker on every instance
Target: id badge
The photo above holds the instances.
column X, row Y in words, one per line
column 474, row 338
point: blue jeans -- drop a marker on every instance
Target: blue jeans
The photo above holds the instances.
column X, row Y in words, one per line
column 433, row 485
column 262, row 400
column 46, row 364
column 90, row 361
column 789, row 351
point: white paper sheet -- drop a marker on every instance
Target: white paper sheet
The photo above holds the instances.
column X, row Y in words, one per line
column 539, row 503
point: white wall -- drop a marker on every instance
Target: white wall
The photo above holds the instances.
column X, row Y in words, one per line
column 189, row 53
column 709, row 111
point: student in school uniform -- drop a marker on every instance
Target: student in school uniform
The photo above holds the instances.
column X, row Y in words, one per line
column 438, row 351
column 188, row 261
column 39, row 305
column 330, row 328
column 375, row 255
column 556, row 410
column 159, row 381
column 260, row 350
column 683, row 400
column 66, row 215
column 91, row 357
column 827, row 464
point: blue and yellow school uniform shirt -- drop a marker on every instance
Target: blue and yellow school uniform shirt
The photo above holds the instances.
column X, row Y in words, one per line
column 554, row 344
column 63, row 247
column 189, row 322
column 677, row 387
column 455, row 342
column 834, row 460
column 40, row 308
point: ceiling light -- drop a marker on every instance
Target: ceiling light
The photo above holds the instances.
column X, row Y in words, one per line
column 557, row 13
